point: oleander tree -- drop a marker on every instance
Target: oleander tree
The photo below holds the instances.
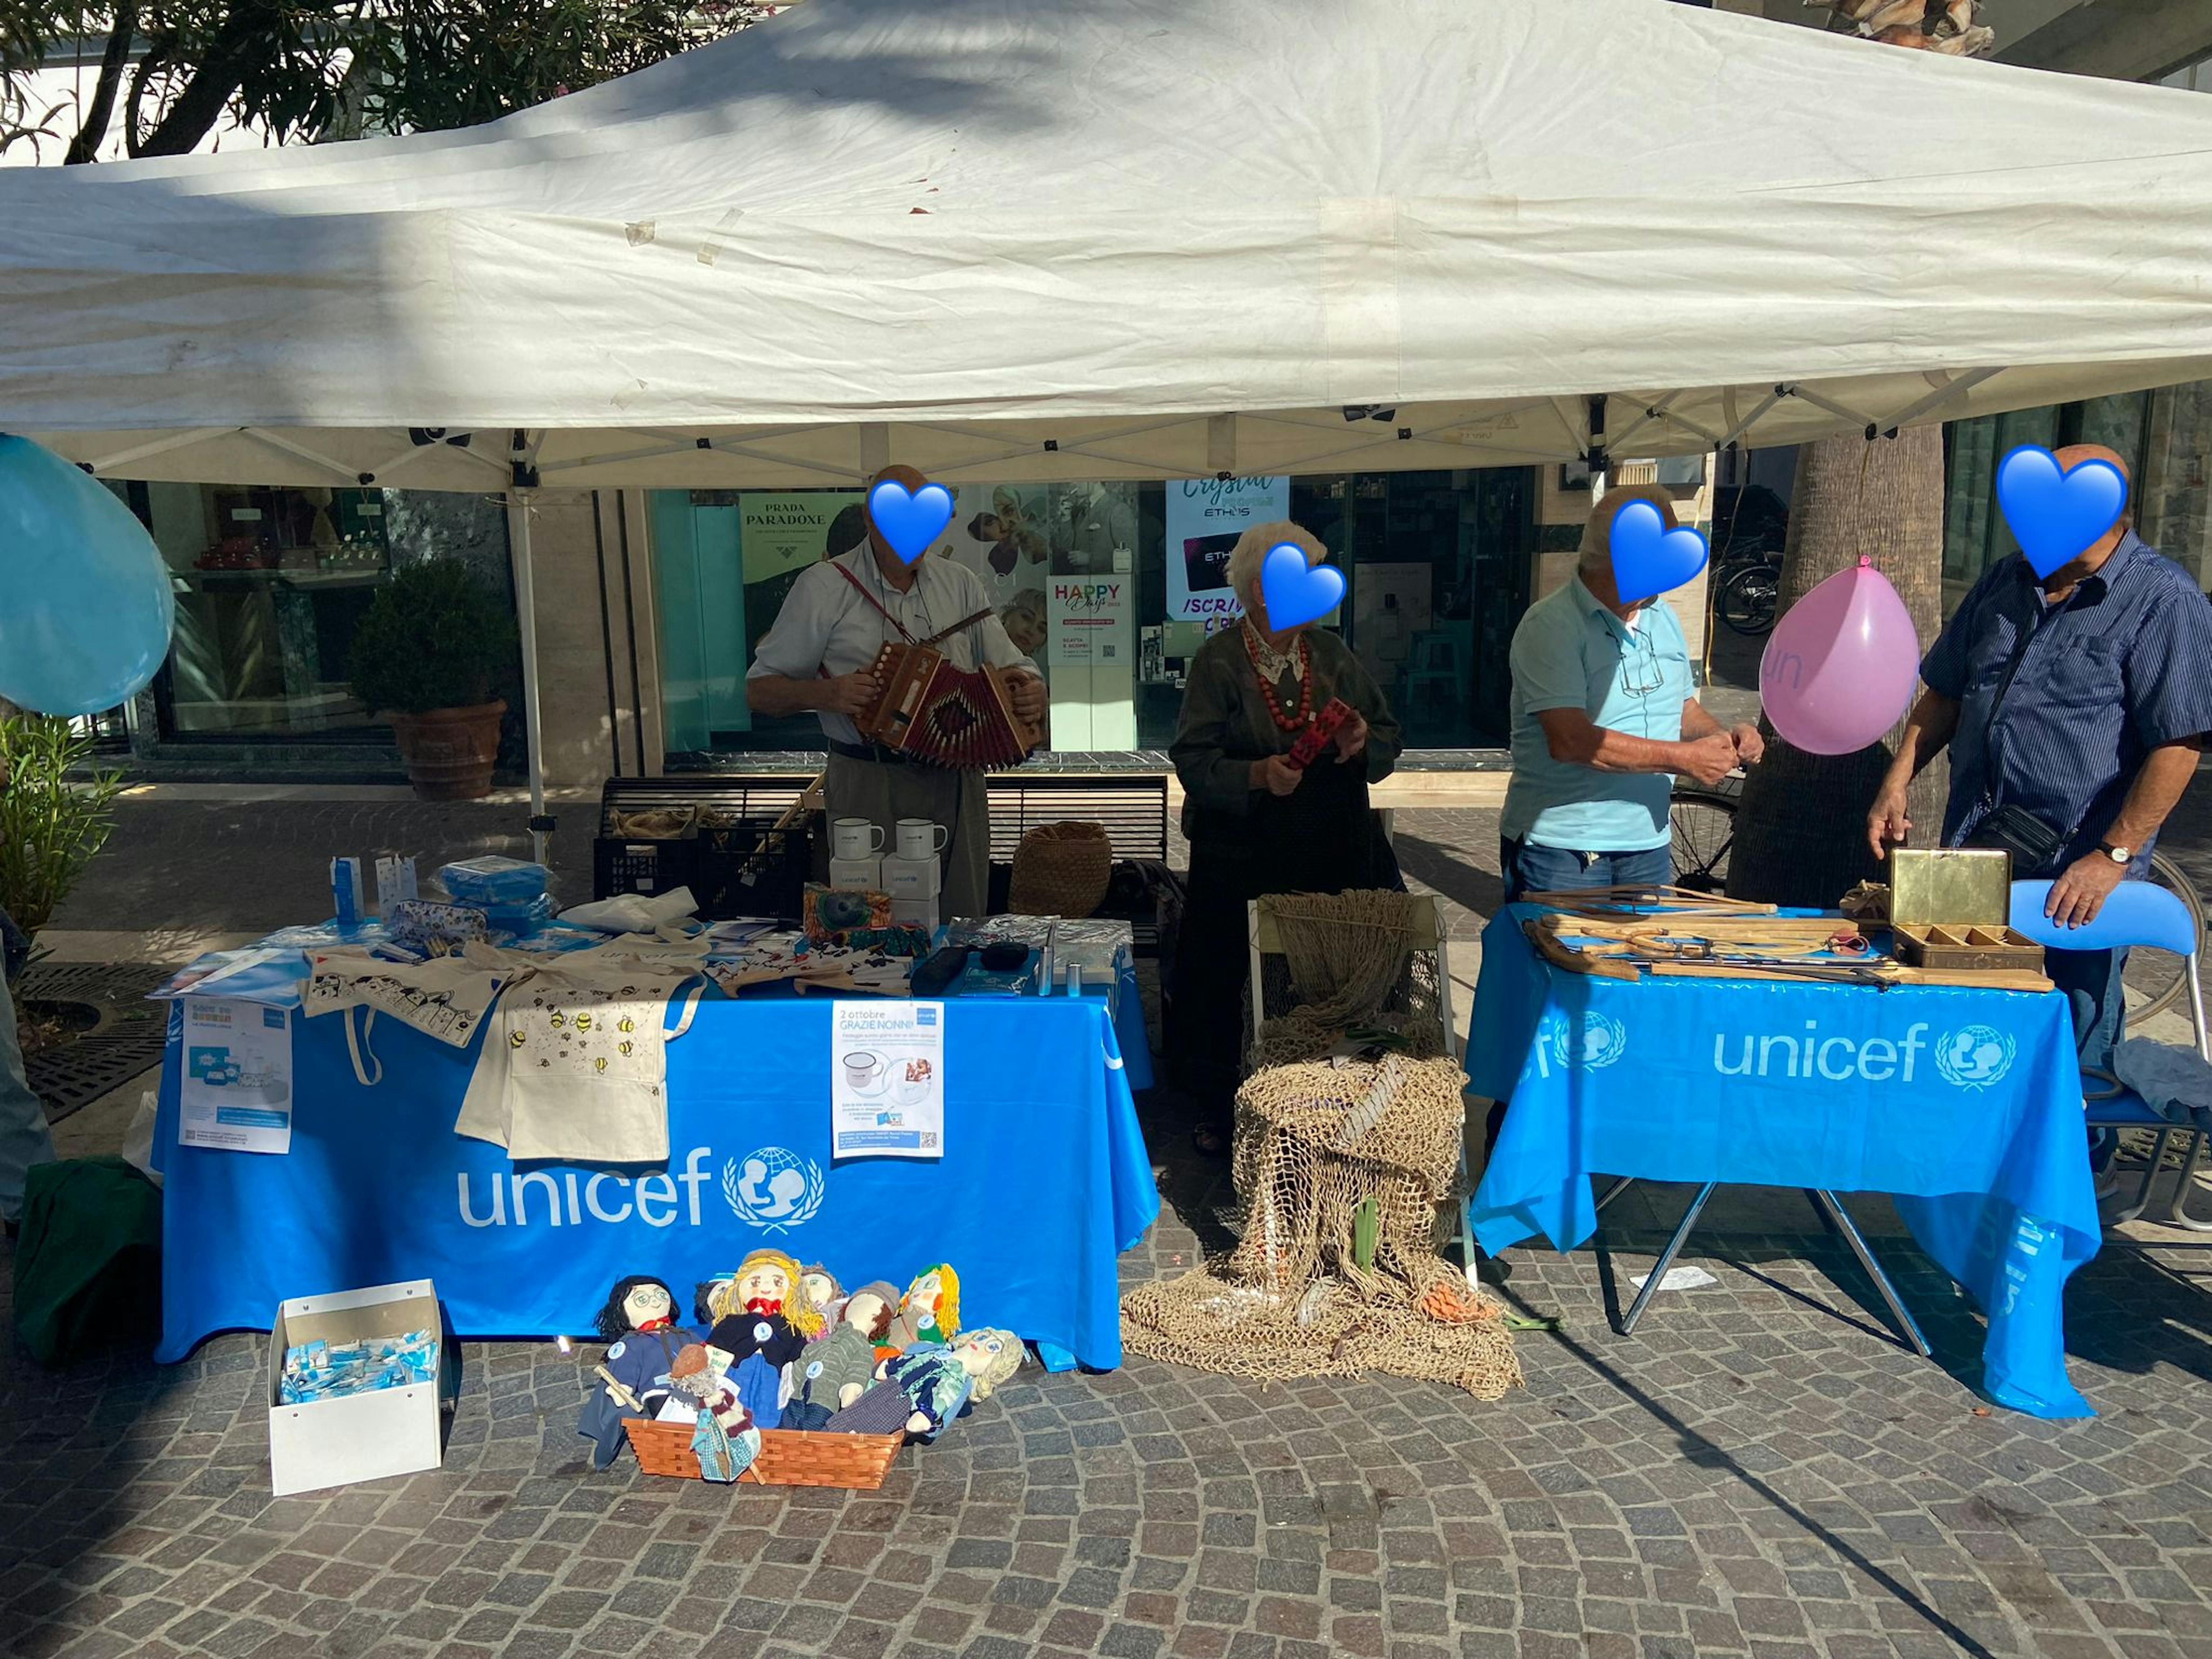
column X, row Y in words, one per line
column 1801, row 827
column 170, row 71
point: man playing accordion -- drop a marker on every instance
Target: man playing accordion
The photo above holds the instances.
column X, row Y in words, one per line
column 818, row 658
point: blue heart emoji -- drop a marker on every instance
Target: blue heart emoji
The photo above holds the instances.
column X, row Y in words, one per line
column 2054, row 515
column 1648, row 558
column 909, row 522
column 1295, row 591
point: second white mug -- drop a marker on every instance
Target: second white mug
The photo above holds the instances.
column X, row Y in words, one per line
column 918, row 838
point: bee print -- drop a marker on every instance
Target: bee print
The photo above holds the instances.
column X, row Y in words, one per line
column 556, row 1019
column 625, row 1024
column 601, row 1064
column 516, row 1039
column 545, row 1062
column 583, row 1022
column 630, row 990
column 625, row 1048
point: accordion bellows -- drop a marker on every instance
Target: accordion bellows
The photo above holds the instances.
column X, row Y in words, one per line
column 935, row 713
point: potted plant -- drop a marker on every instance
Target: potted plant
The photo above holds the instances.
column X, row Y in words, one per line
column 426, row 657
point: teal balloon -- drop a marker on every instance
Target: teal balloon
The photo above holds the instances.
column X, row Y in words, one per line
column 88, row 610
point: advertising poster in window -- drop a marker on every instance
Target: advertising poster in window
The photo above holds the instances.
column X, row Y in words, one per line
column 1093, row 596
column 779, row 536
column 1204, row 518
column 1001, row 532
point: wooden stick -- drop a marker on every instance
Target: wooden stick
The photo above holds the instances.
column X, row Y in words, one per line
column 1986, row 979
column 1575, row 962
column 1629, row 895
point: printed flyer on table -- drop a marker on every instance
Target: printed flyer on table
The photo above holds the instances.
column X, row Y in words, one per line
column 236, row 1090
column 887, row 1080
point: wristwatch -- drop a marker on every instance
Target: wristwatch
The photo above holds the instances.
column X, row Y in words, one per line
column 2119, row 855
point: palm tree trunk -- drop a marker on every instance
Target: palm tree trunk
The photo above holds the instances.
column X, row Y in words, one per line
column 1801, row 830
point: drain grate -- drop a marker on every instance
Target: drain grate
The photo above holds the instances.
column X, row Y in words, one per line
column 127, row 1042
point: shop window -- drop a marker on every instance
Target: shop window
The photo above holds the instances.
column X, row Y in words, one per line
column 1435, row 563
column 271, row 584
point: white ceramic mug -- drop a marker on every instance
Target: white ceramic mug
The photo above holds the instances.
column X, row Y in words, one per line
column 856, row 838
column 918, row 838
column 862, row 1068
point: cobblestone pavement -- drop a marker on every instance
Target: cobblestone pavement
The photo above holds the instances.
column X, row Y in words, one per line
column 1762, row 1470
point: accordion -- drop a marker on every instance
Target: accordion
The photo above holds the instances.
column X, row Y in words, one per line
column 940, row 715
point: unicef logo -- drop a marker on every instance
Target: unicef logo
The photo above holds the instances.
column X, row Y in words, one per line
column 1588, row 1044
column 774, row 1189
column 1974, row 1057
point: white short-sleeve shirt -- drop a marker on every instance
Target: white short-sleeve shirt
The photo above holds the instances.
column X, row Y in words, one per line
column 826, row 626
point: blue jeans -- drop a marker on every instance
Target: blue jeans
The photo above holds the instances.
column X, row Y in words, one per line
column 1528, row 868
column 24, row 1137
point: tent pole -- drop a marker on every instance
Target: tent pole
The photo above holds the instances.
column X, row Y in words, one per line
column 525, row 604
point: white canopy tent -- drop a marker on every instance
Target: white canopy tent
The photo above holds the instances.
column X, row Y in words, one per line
column 1126, row 239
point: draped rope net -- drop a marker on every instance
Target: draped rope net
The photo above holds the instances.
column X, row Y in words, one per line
column 1339, row 1166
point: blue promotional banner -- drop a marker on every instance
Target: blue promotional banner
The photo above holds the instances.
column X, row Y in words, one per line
column 1044, row 1179
column 1964, row 1105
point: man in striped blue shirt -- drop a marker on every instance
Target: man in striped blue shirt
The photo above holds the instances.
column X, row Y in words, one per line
column 2082, row 698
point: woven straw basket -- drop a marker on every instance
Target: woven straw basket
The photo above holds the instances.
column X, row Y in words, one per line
column 1061, row 870
column 857, row 1462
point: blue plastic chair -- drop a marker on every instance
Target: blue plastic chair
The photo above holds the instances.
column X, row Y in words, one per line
column 2136, row 913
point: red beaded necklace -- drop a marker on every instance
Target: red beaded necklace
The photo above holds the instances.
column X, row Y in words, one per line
column 1303, row 718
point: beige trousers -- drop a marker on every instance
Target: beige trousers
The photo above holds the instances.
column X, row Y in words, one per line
column 884, row 793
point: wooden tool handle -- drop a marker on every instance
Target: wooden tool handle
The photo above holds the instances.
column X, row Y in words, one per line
column 1560, row 956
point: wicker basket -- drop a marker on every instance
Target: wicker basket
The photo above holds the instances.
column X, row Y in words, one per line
column 857, row 1462
column 1061, row 870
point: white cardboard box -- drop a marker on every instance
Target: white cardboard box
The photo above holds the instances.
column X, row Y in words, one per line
column 914, row 913
column 912, row 878
column 362, row 1437
column 867, row 874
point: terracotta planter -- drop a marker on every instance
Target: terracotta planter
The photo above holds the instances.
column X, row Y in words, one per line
column 450, row 753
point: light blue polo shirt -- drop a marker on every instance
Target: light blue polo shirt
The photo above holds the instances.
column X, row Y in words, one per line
column 1570, row 652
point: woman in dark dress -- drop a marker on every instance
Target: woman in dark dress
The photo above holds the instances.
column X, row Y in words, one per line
column 1256, row 825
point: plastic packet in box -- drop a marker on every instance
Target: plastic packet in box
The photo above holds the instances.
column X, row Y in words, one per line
column 494, row 883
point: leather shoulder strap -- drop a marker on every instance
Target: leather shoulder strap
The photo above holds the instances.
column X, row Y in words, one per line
column 874, row 603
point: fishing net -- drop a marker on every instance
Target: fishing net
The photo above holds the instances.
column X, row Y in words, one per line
column 1340, row 1167
column 1348, row 1138
column 1351, row 972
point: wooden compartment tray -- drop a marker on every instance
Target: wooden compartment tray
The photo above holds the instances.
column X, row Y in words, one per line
column 1925, row 946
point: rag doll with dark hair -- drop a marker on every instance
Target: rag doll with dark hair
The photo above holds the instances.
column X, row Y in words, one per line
column 639, row 1325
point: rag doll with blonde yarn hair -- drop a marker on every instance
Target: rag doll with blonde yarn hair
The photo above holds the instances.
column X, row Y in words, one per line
column 761, row 1320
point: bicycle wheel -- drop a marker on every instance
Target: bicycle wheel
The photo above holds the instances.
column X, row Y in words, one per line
column 1703, row 822
column 2155, row 979
column 1749, row 599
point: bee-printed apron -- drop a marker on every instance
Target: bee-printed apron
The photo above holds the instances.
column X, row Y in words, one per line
column 574, row 1065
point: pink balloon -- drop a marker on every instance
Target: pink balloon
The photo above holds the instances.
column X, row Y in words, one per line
column 1840, row 665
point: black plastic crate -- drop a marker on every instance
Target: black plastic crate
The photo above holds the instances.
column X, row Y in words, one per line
column 749, row 867
column 652, row 867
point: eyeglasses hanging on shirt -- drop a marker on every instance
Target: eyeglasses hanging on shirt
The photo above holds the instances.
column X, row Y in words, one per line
column 1641, row 671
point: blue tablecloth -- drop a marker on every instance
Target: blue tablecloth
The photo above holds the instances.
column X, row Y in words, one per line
column 1044, row 1181
column 1964, row 1105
